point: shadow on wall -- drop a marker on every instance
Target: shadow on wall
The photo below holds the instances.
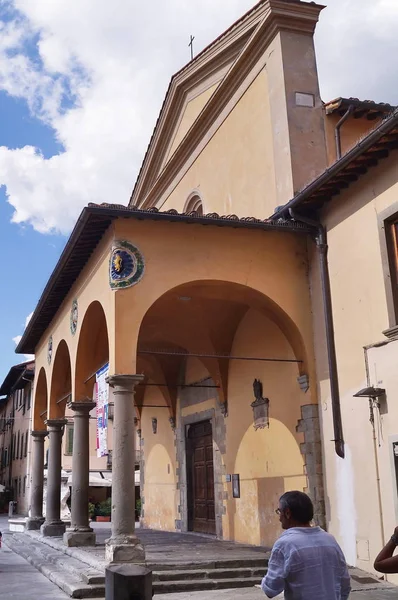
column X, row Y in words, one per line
column 269, row 463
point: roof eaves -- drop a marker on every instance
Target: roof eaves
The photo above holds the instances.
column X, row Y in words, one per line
column 53, row 296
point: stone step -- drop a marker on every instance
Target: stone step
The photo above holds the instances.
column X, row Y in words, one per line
column 234, row 563
column 77, row 580
column 167, row 587
column 214, row 574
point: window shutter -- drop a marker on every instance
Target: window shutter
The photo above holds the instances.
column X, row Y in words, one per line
column 26, row 443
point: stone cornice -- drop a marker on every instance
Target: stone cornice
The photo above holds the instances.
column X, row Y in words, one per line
column 278, row 15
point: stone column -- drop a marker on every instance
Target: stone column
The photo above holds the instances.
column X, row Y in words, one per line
column 123, row 545
column 53, row 526
column 36, row 518
column 80, row 533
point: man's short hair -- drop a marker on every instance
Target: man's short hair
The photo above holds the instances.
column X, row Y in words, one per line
column 299, row 504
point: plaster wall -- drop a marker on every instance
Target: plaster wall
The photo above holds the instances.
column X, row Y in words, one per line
column 235, row 172
column 352, row 131
column 92, row 285
column 360, row 290
column 191, row 111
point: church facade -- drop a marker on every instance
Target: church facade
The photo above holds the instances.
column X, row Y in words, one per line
column 213, row 299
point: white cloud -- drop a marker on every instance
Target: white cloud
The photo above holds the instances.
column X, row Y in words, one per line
column 102, row 73
column 18, row 338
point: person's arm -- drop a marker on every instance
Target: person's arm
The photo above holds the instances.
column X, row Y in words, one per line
column 273, row 583
column 345, row 583
column 385, row 562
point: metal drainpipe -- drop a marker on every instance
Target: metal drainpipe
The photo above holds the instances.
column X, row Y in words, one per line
column 337, row 136
column 322, row 246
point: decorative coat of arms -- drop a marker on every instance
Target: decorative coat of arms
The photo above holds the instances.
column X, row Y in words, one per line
column 260, row 406
column 50, row 349
column 74, row 315
column 126, row 265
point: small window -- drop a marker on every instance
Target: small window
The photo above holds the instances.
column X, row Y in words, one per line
column 69, row 440
column 26, row 443
column 6, row 457
column 194, row 204
column 18, row 446
column 24, row 485
column 19, row 486
column 28, row 398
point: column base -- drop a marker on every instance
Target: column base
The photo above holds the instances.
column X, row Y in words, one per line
column 34, row 523
column 79, row 537
column 54, row 529
column 124, row 549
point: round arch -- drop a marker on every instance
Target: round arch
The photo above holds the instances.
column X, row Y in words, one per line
column 92, row 350
column 219, row 293
column 61, row 382
column 40, row 402
column 194, row 203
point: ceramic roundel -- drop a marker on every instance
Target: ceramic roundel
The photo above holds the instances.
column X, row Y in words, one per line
column 126, row 265
column 74, row 315
column 50, row 349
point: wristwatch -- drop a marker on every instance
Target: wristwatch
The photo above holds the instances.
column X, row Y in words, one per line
column 394, row 539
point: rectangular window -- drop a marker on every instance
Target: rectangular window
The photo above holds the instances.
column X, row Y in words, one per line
column 69, row 440
column 26, row 444
column 24, row 485
column 28, row 396
column 19, row 486
column 6, row 457
column 18, row 445
column 13, row 446
column 15, row 488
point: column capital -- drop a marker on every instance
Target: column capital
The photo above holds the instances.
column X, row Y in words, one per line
column 55, row 424
column 125, row 382
column 83, row 407
column 39, row 435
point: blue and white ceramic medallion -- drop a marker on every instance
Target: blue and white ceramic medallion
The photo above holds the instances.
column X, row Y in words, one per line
column 126, row 265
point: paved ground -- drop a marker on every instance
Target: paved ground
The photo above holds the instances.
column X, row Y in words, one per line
column 20, row 581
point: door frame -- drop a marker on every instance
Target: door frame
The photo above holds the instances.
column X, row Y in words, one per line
column 190, row 474
column 182, row 436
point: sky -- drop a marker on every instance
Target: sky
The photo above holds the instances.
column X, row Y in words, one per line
column 81, row 85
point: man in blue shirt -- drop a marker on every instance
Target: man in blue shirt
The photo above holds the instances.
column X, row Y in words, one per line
column 306, row 563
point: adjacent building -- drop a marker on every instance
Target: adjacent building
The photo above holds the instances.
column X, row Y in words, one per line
column 15, row 439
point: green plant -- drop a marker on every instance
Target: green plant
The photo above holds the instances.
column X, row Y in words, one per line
column 91, row 510
column 105, row 508
column 138, row 506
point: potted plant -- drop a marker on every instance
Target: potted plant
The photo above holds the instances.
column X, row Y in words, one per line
column 138, row 506
column 104, row 511
column 91, row 510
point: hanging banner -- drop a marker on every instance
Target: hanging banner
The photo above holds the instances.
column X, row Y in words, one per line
column 102, row 399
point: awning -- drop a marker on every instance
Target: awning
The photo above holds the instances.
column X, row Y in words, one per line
column 103, row 479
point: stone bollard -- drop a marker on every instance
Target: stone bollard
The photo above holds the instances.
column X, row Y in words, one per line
column 128, row 582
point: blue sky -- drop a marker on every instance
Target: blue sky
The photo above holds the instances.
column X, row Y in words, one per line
column 81, row 84
column 28, row 256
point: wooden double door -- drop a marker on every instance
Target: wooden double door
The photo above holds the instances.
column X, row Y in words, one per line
column 201, row 512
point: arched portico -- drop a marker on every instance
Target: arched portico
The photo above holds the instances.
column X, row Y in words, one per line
column 237, row 334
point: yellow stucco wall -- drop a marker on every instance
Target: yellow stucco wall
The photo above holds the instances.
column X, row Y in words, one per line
column 268, row 460
column 92, row 285
column 360, row 315
column 191, row 111
column 235, row 172
column 159, row 491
